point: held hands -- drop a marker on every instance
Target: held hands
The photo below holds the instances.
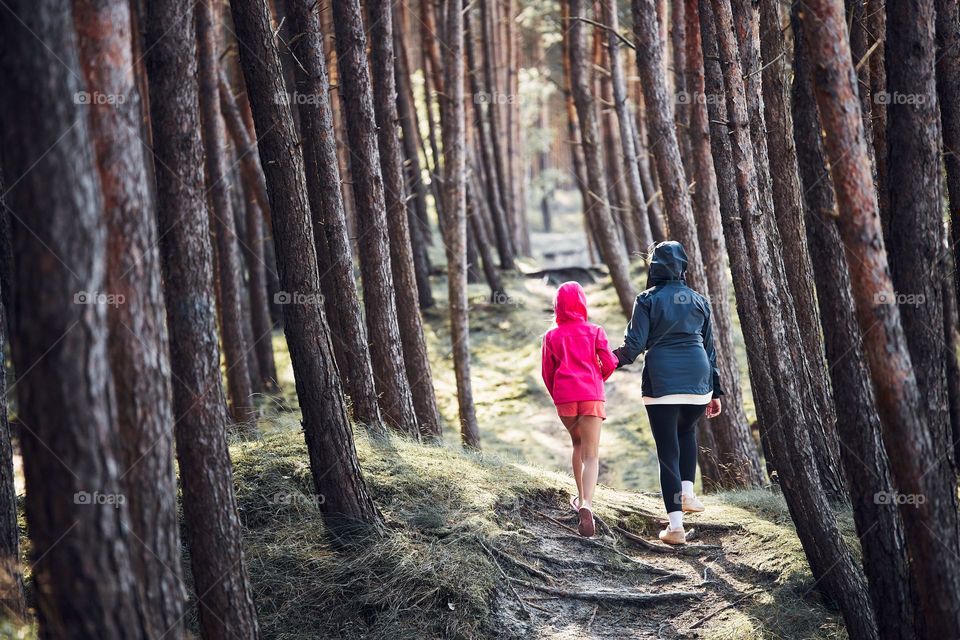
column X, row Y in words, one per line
column 714, row 408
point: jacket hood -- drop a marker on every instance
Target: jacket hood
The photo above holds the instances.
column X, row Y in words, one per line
column 570, row 305
column 669, row 263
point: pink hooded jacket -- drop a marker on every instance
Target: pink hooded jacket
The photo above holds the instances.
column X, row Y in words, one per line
column 576, row 356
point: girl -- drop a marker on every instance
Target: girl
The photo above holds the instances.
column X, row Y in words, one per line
column 576, row 361
column 671, row 322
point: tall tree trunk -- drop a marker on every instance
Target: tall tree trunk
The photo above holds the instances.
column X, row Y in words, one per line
column 59, row 340
column 648, row 177
column 659, row 110
column 476, row 209
column 396, row 400
column 209, row 504
column 865, row 462
column 625, row 122
column 257, row 284
column 415, row 358
column 330, row 235
column 417, row 216
column 792, row 243
column 930, row 518
column 346, row 506
column 761, row 382
column 138, row 347
column 455, row 227
column 788, row 438
column 597, row 206
column 235, row 348
column 735, row 462
column 13, row 604
column 878, row 113
column 681, row 117
column 483, row 111
column 495, row 95
column 948, row 97
column 915, row 243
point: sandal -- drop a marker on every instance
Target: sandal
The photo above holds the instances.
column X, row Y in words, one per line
column 587, row 527
column 574, row 504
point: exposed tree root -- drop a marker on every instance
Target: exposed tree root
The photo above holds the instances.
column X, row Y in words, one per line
column 628, row 597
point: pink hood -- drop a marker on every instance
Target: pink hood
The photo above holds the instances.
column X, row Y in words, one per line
column 576, row 356
column 570, row 303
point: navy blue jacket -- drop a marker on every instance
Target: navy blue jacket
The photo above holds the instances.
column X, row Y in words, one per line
column 671, row 323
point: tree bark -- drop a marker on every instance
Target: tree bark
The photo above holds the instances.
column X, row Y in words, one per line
column 878, row 111
column 637, row 203
column 138, row 347
column 659, row 111
column 455, row 227
column 789, row 442
column 475, row 206
column 213, row 526
column 330, row 234
column 393, row 386
column 415, row 358
column 948, row 97
column 735, row 462
column 930, row 520
column 487, row 144
column 788, row 212
column 346, row 506
column 79, row 526
column 13, row 604
column 419, row 223
column 915, row 244
column 865, row 462
column 259, row 307
column 597, row 206
column 235, row 348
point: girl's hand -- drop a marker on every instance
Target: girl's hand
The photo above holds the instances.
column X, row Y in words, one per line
column 714, row 408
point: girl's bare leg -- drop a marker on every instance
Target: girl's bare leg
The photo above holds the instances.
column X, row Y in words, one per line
column 572, row 425
column 589, row 427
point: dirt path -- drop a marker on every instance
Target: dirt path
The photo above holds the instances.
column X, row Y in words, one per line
column 617, row 584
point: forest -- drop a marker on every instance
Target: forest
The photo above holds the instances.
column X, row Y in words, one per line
column 281, row 309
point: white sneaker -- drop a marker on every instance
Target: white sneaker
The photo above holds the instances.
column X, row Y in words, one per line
column 691, row 504
column 673, row 536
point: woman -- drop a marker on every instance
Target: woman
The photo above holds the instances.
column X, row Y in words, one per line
column 671, row 323
column 576, row 360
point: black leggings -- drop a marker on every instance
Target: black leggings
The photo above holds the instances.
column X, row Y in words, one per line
column 675, row 432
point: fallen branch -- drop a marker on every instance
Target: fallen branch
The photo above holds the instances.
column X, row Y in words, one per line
column 686, row 550
column 629, row 597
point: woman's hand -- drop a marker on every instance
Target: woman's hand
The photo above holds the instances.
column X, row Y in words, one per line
column 714, row 408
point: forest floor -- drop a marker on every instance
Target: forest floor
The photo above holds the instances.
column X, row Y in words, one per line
column 483, row 545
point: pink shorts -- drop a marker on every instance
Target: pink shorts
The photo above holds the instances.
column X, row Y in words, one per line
column 585, row 408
